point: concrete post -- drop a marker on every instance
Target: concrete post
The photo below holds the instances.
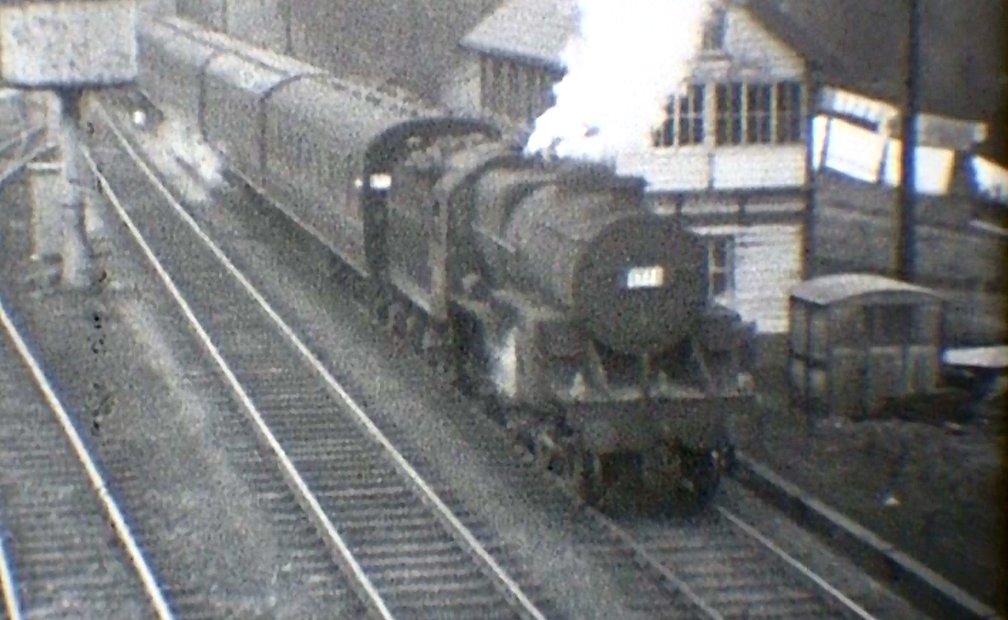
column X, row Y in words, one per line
column 76, row 256
column 45, row 180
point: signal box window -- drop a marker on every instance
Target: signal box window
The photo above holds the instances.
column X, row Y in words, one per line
column 758, row 112
column 789, row 112
column 720, row 267
column 729, row 113
column 684, row 123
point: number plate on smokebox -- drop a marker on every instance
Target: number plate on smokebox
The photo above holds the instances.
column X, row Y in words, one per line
column 645, row 277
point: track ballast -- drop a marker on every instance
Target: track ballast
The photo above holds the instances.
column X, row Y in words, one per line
column 66, row 547
column 410, row 554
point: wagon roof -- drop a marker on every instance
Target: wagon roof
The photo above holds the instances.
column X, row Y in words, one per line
column 978, row 357
column 829, row 289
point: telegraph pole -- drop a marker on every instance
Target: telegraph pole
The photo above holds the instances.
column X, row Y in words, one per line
column 76, row 267
column 906, row 240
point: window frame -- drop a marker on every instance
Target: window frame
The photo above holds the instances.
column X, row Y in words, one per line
column 684, row 123
column 759, row 113
column 724, row 268
column 754, row 113
column 729, row 113
column 789, row 112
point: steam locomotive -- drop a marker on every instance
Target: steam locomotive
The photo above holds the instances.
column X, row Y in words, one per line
column 544, row 287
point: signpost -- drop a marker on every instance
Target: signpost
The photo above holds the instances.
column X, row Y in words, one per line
column 68, row 47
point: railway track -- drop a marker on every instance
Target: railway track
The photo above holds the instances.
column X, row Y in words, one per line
column 727, row 569
column 717, row 567
column 407, row 549
column 67, row 548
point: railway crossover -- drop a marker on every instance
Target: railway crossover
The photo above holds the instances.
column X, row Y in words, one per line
column 406, row 550
column 66, row 545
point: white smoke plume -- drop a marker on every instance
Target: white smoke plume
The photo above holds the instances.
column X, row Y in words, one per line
column 193, row 167
column 626, row 60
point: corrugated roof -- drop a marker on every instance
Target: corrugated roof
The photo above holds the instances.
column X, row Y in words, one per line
column 826, row 290
column 534, row 30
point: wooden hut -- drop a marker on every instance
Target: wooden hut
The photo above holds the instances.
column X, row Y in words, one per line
column 858, row 340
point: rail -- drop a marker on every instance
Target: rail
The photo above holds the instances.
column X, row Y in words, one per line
column 11, row 603
column 790, row 560
column 926, row 589
column 299, row 486
column 305, row 496
column 24, row 137
column 703, row 597
column 95, row 479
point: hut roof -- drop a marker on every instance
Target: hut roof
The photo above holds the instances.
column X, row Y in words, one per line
column 826, row 290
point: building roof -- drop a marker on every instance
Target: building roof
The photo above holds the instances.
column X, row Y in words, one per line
column 964, row 73
column 826, row 290
column 532, row 30
column 537, row 30
column 856, row 44
column 813, row 48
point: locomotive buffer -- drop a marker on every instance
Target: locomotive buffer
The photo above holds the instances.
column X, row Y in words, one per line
column 68, row 48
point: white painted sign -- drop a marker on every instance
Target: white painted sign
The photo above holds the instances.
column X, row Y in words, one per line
column 80, row 43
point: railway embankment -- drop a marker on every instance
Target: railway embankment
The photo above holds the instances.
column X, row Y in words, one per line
column 920, row 503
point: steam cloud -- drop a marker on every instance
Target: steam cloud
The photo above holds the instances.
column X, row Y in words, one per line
column 191, row 165
column 625, row 62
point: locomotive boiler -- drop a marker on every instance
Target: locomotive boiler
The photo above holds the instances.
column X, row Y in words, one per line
column 543, row 287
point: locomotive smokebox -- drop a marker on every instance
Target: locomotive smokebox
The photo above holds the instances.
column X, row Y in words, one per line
column 639, row 285
column 578, row 238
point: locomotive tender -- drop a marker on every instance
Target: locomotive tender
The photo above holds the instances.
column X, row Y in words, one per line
column 544, row 286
